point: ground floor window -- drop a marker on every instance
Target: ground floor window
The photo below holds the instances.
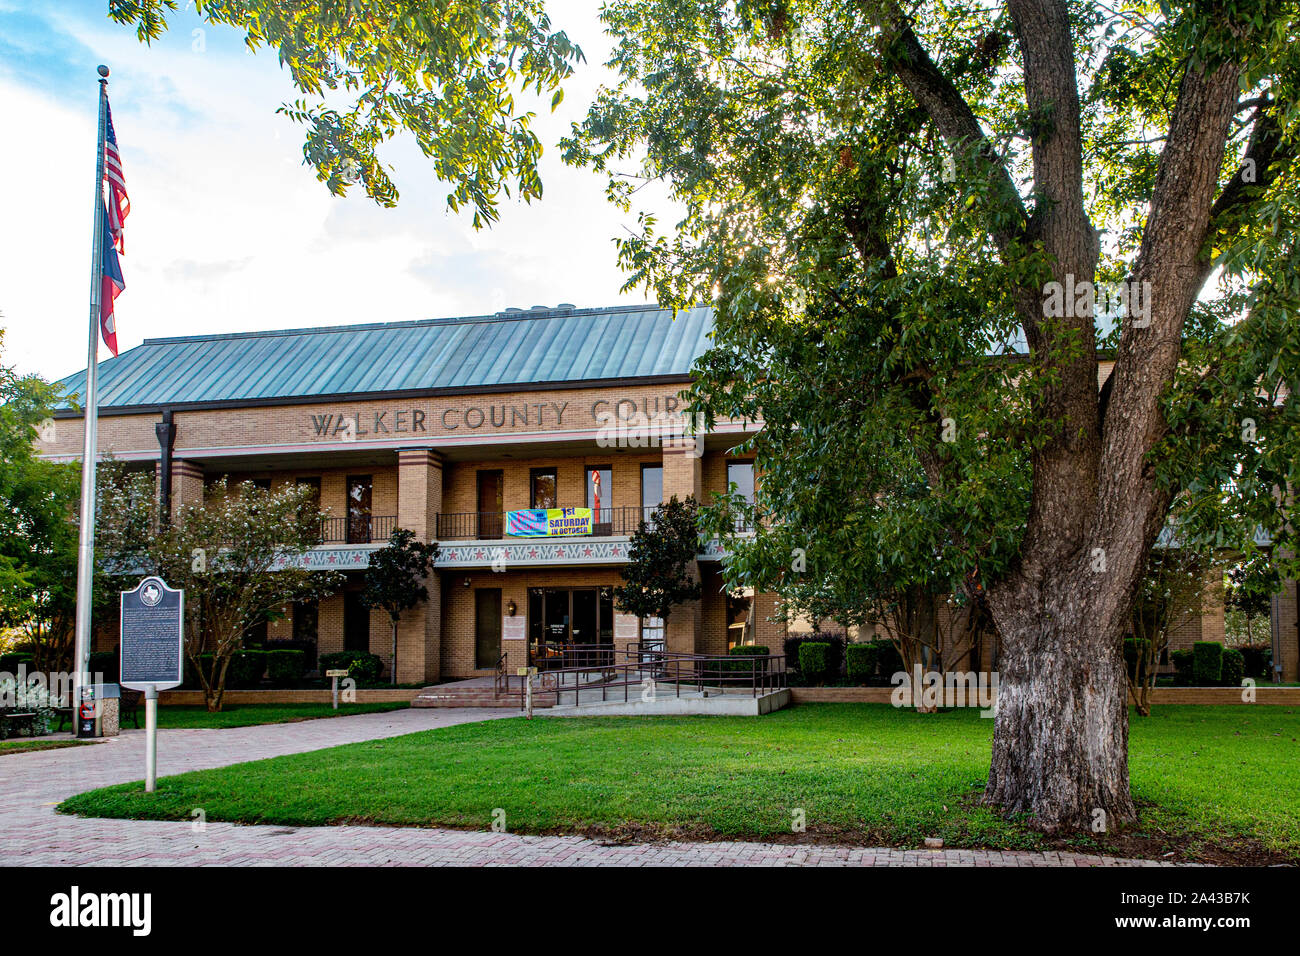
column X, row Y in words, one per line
column 652, row 634
column 563, row 620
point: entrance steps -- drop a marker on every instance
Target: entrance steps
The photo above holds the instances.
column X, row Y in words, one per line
column 476, row 692
column 688, row 703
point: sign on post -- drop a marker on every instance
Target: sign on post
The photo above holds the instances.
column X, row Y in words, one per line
column 153, row 653
column 334, row 676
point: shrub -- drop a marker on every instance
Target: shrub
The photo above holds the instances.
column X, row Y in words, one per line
column 1258, row 660
column 361, row 665
column 814, row 660
column 861, row 661
column 1183, row 660
column 1234, row 667
column 741, row 667
column 246, row 668
column 286, row 666
column 307, row 647
column 1207, row 663
column 835, row 650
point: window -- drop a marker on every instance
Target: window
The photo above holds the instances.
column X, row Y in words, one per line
column 313, row 486
column 600, row 498
column 652, row 489
column 739, row 623
column 490, row 485
column 740, row 479
column 741, row 474
column 360, row 488
column 545, row 488
column 263, row 483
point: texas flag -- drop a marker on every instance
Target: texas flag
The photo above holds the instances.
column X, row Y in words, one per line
column 111, row 285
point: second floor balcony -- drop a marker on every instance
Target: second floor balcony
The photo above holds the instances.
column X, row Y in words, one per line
column 493, row 525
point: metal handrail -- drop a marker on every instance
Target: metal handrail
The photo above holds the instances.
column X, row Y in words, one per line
column 356, row 530
column 491, row 525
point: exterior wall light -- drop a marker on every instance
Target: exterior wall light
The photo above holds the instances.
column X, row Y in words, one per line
column 511, row 608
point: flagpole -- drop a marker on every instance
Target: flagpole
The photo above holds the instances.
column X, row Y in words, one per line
column 90, row 447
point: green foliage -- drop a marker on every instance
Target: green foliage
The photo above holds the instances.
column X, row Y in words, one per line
column 236, row 553
column 661, row 555
column 861, row 661
column 38, row 538
column 749, row 650
column 1184, row 661
column 361, row 665
column 872, row 271
column 394, row 579
column 1207, row 663
column 814, row 661
column 1234, row 667
column 286, row 668
column 1258, row 660
column 444, row 74
column 835, row 655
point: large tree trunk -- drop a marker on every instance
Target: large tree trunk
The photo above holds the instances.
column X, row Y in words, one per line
column 1060, row 740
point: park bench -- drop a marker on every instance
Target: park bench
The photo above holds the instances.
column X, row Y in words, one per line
column 7, row 721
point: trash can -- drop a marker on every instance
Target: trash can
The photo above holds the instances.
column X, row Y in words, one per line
column 98, row 710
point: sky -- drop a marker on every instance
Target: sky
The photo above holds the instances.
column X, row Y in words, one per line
column 228, row 230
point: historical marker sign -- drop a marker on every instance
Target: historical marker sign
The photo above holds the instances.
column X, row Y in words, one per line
column 152, row 637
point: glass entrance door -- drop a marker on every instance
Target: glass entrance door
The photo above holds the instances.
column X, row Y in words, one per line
column 560, row 619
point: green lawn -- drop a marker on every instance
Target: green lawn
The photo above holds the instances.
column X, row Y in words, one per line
column 246, row 715
column 1210, row 780
column 20, row 745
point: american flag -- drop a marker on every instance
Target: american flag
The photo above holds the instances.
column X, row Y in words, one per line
column 119, row 206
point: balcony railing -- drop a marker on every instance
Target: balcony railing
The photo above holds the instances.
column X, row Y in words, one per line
column 357, row 529
column 486, row 525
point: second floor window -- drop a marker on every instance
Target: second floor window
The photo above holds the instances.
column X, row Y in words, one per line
column 741, row 475
column 545, row 488
column 360, row 488
column 600, row 492
column 652, row 488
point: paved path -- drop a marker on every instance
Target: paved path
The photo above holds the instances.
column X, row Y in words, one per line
column 31, row 833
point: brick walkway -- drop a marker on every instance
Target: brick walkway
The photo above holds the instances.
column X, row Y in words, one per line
column 33, row 834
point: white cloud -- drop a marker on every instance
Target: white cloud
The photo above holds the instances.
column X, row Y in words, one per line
column 228, row 231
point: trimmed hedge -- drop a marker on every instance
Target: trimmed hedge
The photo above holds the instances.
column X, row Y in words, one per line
column 861, row 661
column 286, row 667
column 1207, row 663
column 814, row 660
column 1234, row 667
column 1183, row 664
column 835, row 653
column 245, row 670
column 361, row 665
column 741, row 666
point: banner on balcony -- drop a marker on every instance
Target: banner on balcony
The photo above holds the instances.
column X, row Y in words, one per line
column 548, row 522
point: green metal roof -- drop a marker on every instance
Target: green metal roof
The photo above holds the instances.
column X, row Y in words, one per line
column 509, row 348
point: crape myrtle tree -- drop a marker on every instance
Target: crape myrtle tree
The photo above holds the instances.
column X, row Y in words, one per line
column 394, row 579
column 236, row 553
column 908, row 218
column 657, row 576
column 1177, row 582
column 369, row 70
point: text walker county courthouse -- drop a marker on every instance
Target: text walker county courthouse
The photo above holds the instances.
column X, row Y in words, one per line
column 442, row 427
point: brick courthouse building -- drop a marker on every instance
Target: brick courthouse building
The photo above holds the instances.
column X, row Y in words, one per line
column 442, row 427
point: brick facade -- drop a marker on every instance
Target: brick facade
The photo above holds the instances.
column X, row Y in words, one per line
column 423, row 456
